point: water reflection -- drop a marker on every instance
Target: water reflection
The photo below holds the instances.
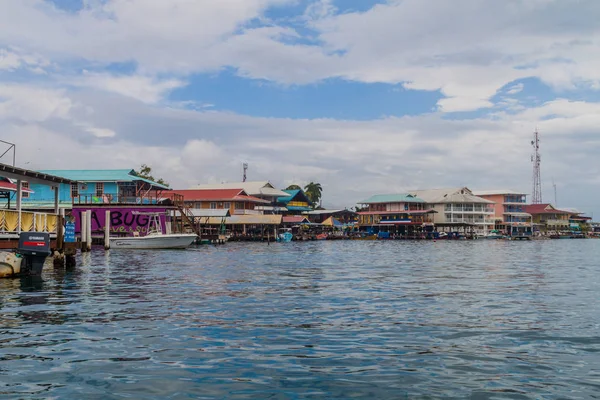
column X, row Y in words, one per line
column 306, row 320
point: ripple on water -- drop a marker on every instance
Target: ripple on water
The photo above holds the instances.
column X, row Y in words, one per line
column 309, row 320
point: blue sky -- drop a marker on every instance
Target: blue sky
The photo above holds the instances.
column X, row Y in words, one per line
column 363, row 96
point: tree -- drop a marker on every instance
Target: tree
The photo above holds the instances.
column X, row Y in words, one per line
column 293, row 187
column 313, row 191
column 146, row 173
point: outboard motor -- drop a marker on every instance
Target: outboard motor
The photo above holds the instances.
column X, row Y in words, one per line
column 34, row 247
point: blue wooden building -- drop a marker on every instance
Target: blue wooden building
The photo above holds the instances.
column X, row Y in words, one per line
column 296, row 203
column 117, row 186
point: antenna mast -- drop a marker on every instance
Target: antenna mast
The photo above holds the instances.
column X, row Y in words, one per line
column 536, row 160
column 245, row 171
column 555, row 198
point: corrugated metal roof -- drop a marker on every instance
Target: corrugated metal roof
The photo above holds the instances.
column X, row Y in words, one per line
column 257, row 188
column 497, row 192
column 294, row 219
column 392, row 198
column 218, row 195
column 101, row 175
column 8, row 186
column 452, row 195
column 543, row 209
column 30, row 176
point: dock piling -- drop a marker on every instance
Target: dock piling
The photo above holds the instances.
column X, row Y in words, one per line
column 89, row 230
column 107, row 230
column 83, row 224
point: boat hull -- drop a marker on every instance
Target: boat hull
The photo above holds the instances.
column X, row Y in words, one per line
column 153, row 242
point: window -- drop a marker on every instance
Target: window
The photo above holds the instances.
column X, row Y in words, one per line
column 99, row 189
column 227, row 205
column 213, row 205
column 24, row 185
column 74, row 190
column 239, row 205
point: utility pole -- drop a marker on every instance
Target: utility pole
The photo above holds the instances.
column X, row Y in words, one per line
column 536, row 160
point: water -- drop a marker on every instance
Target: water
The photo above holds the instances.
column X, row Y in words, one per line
column 482, row 319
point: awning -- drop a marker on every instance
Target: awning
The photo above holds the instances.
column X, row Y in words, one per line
column 210, row 212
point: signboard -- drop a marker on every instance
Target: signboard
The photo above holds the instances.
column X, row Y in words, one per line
column 123, row 220
column 70, row 232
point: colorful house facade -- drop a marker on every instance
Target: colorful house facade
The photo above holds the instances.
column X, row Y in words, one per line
column 119, row 186
column 509, row 211
column 237, row 201
column 546, row 217
column 295, row 203
column 395, row 210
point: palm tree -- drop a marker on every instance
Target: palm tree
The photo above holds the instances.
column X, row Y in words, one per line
column 293, row 187
column 313, row 191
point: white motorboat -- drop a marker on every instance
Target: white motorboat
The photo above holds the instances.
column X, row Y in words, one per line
column 155, row 239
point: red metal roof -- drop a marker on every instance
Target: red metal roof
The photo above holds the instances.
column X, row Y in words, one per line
column 294, row 219
column 217, row 195
column 5, row 185
column 415, row 212
column 543, row 209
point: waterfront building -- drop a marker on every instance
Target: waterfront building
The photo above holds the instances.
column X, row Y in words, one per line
column 110, row 186
column 509, row 211
column 261, row 189
column 578, row 220
column 237, row 201
column 400, row 213
column 296, row 202
column 347, row 217
column 294, row 220
column 546, row 217
column 459, row 208
column 14, row 218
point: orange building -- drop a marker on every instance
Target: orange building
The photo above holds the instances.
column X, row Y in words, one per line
column 510, row 211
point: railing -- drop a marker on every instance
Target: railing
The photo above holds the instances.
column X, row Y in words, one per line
column 29, row 222
column 113, row 198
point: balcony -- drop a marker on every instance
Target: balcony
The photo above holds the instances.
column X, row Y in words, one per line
column 114, row 198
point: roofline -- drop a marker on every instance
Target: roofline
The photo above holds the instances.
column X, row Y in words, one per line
column 31, row 176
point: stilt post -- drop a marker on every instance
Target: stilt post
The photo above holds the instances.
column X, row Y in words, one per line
column 89, row 230
column 107, row 230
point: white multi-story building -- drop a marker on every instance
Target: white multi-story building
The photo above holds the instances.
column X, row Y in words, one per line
column 458, row 207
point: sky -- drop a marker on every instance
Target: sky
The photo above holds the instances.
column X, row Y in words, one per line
column 362, row 96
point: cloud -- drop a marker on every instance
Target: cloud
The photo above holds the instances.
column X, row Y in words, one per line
column 109, row 69
column 142, row 88
column 351, row 159
column 514, row 89
column 33, row 104
column 466, row 49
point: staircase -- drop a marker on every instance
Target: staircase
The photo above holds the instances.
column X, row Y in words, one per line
column 187, row 215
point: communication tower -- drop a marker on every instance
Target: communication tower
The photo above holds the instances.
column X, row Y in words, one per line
column 245, row 171
column 536, row 160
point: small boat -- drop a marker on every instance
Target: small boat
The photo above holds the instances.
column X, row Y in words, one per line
column 155, row 238
column 10, row 264
column 494, row 234
column 365, row 237
column 322, row 236
column 285, row 236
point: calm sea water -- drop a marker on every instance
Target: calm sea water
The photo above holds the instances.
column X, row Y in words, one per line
column 481, row 319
